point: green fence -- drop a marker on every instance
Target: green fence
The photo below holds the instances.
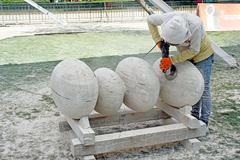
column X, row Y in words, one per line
column 23, row 13
column 92, row 5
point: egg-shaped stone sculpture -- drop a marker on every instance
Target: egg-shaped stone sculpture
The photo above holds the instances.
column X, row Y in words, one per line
column 142, row 84
column 185, row 89
column 111, row 91
column 74, row 88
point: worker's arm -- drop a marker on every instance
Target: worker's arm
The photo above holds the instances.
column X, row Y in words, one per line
column 154, row 32
column 194, row 48
column 152, row 26
column 183, row 56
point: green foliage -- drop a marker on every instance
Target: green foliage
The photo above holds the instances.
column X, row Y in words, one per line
column 22, row 1
column 60, row 1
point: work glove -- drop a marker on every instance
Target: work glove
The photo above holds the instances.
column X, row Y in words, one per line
column 165, row 64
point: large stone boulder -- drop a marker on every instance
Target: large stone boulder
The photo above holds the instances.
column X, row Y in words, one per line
column 74, row 88
column 186, row 89
column 142, row 84
column 111, row 91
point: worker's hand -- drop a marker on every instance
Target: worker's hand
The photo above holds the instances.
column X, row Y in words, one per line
column 165, row 64
column 159, row 44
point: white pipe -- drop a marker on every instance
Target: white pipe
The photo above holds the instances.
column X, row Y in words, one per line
column 62, row 23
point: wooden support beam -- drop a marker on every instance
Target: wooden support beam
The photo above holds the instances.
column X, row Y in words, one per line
column 192, row 145
column 89, row 158
column 163, row 6
column 137, row 138
column 123, row 110
column 64, row 126
column 83, row 130
column 186, row 119
column 186, row 109
column 125, row 117
column 76, row 146
column 61, row 22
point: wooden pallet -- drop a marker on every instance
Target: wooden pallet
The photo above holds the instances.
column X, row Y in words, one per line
column 177, row 125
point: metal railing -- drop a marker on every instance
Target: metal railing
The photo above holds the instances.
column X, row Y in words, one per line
column 79, row 12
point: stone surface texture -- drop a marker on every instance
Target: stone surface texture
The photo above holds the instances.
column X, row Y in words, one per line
column 111, row 91
column 142, row 84
column 186, row 89
column 74, row 88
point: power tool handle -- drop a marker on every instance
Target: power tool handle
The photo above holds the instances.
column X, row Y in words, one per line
column 164, row 46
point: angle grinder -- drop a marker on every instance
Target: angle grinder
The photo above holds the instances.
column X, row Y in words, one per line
column 171, row 73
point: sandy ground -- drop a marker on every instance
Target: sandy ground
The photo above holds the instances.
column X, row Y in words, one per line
column 23, row 30
column 29, row 121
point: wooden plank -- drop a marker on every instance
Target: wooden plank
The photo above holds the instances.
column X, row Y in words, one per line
column 133, row 126
column 192, row 145
column 186, row 119
column 126, row 118
column 226, row 57
column 85, row 133
column 61, row 22
column 76, row 146
column 186, row 109
column 137, row 138
column 89, row 158
column 64, row 126
column 123, row 110
column 145, row 6
column 164, row 7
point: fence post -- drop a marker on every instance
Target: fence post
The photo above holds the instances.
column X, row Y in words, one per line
column 66, row 13
column 78, row 13
column 29, row 14
column 90, row 13
column 105, row 13
column 1, row 9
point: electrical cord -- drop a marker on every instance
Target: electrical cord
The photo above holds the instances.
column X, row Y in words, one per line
column 150, row 50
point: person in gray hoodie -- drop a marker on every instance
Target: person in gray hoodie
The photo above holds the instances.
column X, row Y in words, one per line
column 185, row 31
